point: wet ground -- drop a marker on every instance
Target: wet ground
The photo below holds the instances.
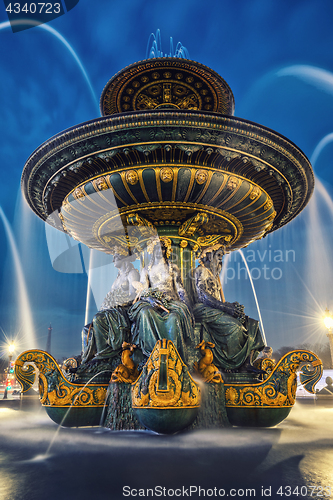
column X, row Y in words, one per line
column 292, row 460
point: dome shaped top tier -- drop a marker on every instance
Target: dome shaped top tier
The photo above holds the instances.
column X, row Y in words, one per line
column 167, row 82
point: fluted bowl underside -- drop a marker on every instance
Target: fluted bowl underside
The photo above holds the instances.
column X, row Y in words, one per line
column 241, row 179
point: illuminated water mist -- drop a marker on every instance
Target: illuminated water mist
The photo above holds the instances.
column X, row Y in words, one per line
column 54, row 32
column 320, row 146
column 222, row 278
column 24, row 307
column 224, row 267
column 320, row 223
column 318, row 77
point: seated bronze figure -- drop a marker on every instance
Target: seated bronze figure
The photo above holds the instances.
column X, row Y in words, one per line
column 237, row 338
column 162, row 309
column 111, row 327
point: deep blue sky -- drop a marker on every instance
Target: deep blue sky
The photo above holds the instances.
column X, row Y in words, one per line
column 277, row 58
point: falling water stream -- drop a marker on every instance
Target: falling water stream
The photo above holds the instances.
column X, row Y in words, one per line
column 89, row 273
column 255, row 296
column 65, row 416
column 23, row 306
column 224, row 268
column 55, row 33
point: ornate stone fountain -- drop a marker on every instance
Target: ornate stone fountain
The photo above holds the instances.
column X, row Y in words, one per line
column 168, row 161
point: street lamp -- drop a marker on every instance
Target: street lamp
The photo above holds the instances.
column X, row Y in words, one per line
column 11, row 349
column 328, row 322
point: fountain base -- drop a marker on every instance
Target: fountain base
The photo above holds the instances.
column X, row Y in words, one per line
column 165, row 397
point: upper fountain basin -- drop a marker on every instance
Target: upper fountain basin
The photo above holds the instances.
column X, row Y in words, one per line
column 170, row 151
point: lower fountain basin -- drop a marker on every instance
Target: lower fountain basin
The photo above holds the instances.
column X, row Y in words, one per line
column 257, row 417
column 166, row 420
column 75, row 417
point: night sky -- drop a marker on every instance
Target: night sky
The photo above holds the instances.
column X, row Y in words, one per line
column 277, row 56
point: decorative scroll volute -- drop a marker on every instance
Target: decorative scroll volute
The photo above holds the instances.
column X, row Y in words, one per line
column 54, row 388
column 191, row 225
column 279, row 388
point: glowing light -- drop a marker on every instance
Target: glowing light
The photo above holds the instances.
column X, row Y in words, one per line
column 328, row 319
column 11, row 348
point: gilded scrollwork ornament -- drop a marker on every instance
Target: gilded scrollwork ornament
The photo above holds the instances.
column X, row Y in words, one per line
column 54, row 388
column 207, row 241
column 191, row 225
column 165, row 381
column 279, row 388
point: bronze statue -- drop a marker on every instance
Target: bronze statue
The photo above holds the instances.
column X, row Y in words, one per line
column 111, row 326
column 126, row 371
column 162, row 309
column 237, row 338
